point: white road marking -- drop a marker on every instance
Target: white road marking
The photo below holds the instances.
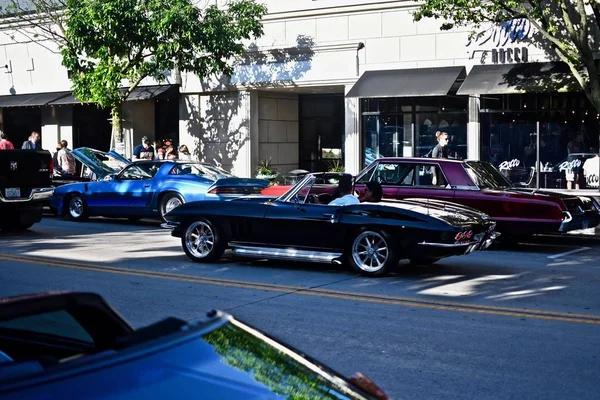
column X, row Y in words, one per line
column 566, row 253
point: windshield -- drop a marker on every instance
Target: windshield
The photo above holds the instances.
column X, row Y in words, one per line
column 280, row 369
column 485, row 175
column 313, row 183
column 102, row 163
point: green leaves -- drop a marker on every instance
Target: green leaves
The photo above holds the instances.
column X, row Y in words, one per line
column 106, row 43
column 563, row 27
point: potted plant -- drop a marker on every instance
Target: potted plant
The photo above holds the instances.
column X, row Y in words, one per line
column 336, row 166
column 265, row 171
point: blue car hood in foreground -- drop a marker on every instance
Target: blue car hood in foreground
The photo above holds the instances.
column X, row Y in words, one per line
column 226, row 360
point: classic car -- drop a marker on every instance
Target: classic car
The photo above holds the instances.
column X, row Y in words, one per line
column 517, row 211
column 122, row 188
column 301, row 225
column 75, row 346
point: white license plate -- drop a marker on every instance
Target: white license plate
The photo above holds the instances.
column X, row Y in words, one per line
column 13, row 192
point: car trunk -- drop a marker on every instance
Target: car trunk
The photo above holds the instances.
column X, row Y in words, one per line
column 24, row 170
column 238, row 186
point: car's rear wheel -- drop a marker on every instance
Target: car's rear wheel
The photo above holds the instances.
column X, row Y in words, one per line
column 169, row 202
column 372, row 253
column 76, row 208
column 202, row 241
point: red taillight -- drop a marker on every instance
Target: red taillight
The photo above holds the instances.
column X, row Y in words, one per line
column 51, row 167
column 222, row 190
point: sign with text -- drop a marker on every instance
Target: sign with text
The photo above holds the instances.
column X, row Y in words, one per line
column 501, row 42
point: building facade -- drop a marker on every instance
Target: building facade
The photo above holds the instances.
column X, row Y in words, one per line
column 342, row 81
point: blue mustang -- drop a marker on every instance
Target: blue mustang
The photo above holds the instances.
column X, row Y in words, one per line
column 116, row 187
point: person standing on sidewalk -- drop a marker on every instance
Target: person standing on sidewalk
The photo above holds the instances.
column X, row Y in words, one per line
column 33, row 143
column 5, row 144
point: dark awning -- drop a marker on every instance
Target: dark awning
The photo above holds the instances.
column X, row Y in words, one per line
column 535, row 77
column 139, row 93
column 30, row 99
column 407, row 82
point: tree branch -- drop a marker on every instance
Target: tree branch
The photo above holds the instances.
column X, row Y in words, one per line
column 132, row 87
column 596, row 9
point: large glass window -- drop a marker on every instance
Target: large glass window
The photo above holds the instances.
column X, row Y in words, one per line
column 568, row 128
column 406, row 127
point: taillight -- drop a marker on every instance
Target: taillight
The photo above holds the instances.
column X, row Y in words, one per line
column 223, row 190
column 51, row 168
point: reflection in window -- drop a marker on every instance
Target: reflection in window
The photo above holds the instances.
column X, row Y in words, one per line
column 57, row 323
column 277, row 368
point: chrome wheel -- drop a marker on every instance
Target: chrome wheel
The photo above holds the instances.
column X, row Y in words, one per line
column 172, row 203
column 76, row 207
column 370, row 251
column 199, row 239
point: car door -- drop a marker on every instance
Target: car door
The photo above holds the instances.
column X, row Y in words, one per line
column 425, row 180
column 308, row 226
column 137, row 185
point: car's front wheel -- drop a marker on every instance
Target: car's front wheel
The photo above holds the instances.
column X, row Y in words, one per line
column 202, row 241
column 372, row 253
column 76, row 208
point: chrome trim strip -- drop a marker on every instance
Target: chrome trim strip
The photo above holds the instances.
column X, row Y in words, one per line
column 446, row 244
column 169, row 225
column 286, row 254
column 36, row 194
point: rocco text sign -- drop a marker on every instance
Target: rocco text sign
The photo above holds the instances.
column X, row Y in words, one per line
column 503, row 39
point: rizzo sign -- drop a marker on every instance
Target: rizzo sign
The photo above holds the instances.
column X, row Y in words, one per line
column 503, row 40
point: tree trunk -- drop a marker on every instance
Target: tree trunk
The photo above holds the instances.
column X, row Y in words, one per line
column 117, row 126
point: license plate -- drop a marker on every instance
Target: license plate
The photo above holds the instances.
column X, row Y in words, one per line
column 585, row 224
column 13, row 192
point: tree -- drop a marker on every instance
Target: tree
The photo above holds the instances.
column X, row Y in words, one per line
column 106, row 43
column 569, row 28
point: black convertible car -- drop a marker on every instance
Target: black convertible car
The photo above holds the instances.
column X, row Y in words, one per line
column 301, row 225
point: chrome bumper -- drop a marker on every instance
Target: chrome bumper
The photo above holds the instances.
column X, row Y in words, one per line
column 480, row 243
column 36, row 194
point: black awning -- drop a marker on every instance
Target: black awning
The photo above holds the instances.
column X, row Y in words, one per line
column 407, row 82
column 30, row 99
column 535, row 77
column 139, row 93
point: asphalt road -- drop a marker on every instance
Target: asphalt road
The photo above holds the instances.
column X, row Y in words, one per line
column 505, row 323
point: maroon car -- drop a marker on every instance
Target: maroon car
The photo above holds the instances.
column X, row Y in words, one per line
column 477, row 184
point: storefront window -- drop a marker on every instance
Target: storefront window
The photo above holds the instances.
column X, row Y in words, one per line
column 568, row 129
column 389, row 126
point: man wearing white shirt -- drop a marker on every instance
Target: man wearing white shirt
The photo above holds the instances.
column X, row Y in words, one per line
column 346, row 196
column 591, row 169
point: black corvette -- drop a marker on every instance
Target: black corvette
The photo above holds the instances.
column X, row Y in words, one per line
column 300, row 225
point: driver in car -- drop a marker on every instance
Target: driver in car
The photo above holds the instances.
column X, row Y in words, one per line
column 345, row 189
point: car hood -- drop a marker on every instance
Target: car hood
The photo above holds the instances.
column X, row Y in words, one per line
column 101, row 163
column 452, row 213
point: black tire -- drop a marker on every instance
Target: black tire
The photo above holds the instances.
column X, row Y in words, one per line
column 372, row 246
column 76, row 208
column 168, row 202
column 207, row 248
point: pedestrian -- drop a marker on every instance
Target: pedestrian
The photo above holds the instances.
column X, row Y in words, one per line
column 33, row 142
column 5, row 144
column 143, row 151
column 441, row 149
column 66, row 161
column 184, row 153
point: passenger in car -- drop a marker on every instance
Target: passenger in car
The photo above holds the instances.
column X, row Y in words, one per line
column 345, row 189
column 373, row 193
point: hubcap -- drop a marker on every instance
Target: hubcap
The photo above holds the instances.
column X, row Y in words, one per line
column 76, row 207
column 199, row 239
column 173, row 202
column 370, row 251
